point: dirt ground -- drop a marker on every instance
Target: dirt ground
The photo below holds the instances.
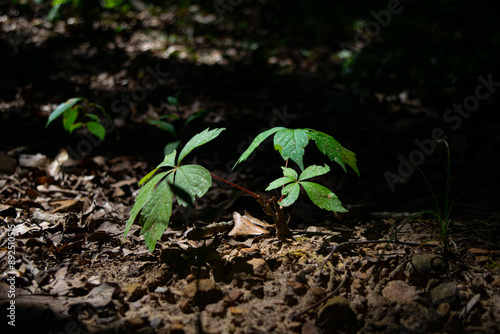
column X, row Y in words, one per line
column 73, row 274
column 67, row 269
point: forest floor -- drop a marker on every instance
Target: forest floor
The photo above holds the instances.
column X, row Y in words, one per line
column 72, row 271
column 64, row 213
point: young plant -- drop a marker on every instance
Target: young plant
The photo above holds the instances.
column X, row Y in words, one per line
column 70, row 110
column 291, row 143
column 177, row 132
column 442, row 215
column 153, row 205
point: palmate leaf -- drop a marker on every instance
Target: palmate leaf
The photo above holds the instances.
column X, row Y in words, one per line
column 256, row 142
column 62, row 108
column 69, row 118
column 291, row 194
column 323, row 197
column 313, row 171
column 168, row 161
column 333, row 150
column 144, row 195
column 156, row 213
column 97, row 130
column 198, row 140
column 280, row 182
column 291, row 144
column 190, row 181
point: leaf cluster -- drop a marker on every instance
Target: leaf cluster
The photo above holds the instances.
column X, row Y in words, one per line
column 70, row 110
column 153, row 205
column 291, row 143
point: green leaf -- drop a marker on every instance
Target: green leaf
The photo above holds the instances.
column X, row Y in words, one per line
column 189, row 181
column 93, row 117
column 69, row 118
column 291, row 143
column 280, row 182
column 350, row 159
column 109, row 4
column 170, row 147
column 54, row 11
column 256, row 142
column 165, row 126
column 313, row 171
column 97, row 130
column 168, row 161
column 289, row 172
column 155, row 215
column 142, row 198
column 173, row 116
column 173, row 101
column 291, row 193
column 62, row 108
column 198, row 114
column 75, row 126
column 323, row 197
column 198, row 140
column 333, row 150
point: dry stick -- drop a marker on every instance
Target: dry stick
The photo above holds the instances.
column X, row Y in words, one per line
column 319, row 302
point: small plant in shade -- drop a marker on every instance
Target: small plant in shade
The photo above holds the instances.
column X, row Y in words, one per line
column 174, row 125
column 153, row 205
column 77, row 113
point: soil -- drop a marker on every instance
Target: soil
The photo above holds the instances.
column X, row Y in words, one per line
column 63, row 205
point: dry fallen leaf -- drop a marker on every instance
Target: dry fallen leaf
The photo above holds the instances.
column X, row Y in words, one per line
column 243, row 226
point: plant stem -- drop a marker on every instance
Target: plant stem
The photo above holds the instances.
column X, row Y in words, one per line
column 254, row 195
column 270, row 207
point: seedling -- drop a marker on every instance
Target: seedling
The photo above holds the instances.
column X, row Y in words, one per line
column 70, row 110
column 153, row 205
column 177, row 132
column 441, row 215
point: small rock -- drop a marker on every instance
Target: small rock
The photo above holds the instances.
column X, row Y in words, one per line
column 7, row 164
column 233, row 297
column 445, row 292
column 294, row 326
column 415, row 317
column 158, row 277
column 425, row 263
column 155, row 322
column 134, row 291
column 443, row 310
column 299, row 288
column 258, row 291
column 398, row 291
column 496, row 283
column 176, row 329
column 260, row 267
column 135, row 322
column 216, row 309
column 246, row 281
column 203, row 291
column 309, row 328
column 336, row 314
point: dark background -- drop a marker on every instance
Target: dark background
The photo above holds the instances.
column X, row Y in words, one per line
column 376, row 97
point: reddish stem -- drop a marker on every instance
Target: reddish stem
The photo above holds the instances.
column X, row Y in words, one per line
column 236, row 186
